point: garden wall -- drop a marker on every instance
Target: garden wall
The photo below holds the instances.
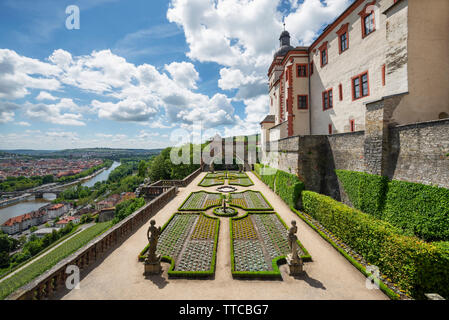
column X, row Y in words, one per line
column 415, row 153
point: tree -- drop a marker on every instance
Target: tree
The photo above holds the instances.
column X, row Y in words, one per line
column 142, row 168
column 5, row 243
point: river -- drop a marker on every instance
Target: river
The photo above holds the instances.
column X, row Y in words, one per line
column 32, row 204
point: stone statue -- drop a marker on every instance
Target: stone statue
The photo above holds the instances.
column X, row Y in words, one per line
column 153, row 261
column 294, row 261
column 292, row 234
column 224, row 204
column 155, row 232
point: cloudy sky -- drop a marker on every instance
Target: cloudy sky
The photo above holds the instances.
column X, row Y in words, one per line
column 137, row 70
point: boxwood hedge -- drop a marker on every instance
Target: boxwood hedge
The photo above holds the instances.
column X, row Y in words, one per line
column 288, row 187
column 418, row 209
column 416, row 266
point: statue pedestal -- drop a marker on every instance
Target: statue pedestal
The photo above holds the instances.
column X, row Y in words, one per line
column 296, row 267
column 153, row 267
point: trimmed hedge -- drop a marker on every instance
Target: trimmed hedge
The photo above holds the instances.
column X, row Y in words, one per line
column 390, row 293
column 267, row 175
column 416, row 208
column 288, row 187
column 416, row 266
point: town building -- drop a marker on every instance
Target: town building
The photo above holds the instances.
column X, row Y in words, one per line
column 63, row 222
column 373, row 51
column 57, row 210
column 24, row 221
column 42, row 232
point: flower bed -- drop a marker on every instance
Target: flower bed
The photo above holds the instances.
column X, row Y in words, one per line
column 201, row 200
column 250, row 200
column 211, row 179
column 244, row 182
column 230, row 212
column 258, row 244
column 189, row 243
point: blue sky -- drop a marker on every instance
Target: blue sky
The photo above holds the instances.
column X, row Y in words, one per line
column 138, row 71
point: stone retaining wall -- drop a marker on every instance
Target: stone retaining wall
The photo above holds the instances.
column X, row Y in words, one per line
column 416, row 152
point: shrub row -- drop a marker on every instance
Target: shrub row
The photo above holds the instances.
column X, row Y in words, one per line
column 416, row 266
column 416, row 208
column 286, row 185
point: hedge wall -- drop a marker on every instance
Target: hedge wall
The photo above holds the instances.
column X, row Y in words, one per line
column 288, row 187
column 416, row 208
column 416, row 266
column 365, row 191
column 420, row 209
column 258, row 167
column 268, row 176
column 351, row 182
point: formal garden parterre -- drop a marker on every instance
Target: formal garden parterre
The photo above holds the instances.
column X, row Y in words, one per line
column 250, row 200
column 188, row 242
column 258, row 244
column 234, row 178
column 200, row 201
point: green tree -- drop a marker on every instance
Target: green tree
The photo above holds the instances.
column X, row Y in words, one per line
column 142, row 168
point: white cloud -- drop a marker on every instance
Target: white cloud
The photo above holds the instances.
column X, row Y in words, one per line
column 18, row 74
column 23, row 123
column 7, row 111
column 183, row 73
column 43, row 95
column 54, row 113
column 73, row 136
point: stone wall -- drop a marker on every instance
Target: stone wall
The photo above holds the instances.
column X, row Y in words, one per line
column 416, row 153
column 420, row 153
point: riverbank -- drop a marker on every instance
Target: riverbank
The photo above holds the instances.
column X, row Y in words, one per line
column 25, row 196
column 26, row 203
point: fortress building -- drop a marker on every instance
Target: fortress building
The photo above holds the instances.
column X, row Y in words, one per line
column 373, row 52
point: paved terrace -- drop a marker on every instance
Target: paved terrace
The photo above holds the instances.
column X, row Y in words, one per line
column 120, row 275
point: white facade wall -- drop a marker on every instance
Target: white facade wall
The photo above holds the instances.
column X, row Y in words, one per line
column 363, row 54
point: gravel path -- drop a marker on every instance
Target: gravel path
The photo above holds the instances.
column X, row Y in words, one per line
column 328, row 276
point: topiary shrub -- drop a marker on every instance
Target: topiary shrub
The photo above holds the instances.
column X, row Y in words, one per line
column 350, row 181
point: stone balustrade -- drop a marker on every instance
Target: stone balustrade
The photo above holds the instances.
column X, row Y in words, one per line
column 44, row 286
